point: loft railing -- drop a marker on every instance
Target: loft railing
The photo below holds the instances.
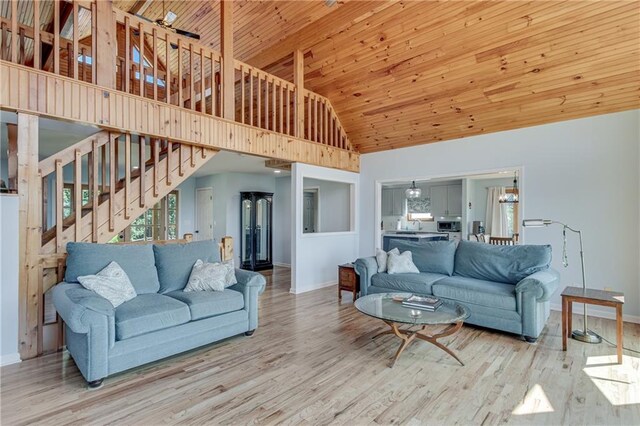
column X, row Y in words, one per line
column 155, row 63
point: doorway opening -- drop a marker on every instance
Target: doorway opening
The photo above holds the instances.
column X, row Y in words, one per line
column 310, row 211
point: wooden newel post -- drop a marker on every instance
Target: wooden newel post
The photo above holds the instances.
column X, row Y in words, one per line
column 106, row 51
column 228, row 67
column 298, row 79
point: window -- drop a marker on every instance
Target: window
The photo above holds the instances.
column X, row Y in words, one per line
column 158, row 223
column 67, row 198
column 511, row 210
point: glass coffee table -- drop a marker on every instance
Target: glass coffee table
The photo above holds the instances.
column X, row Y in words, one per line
column 383, row 306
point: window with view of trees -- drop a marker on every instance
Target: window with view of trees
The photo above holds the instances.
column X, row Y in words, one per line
column 158, row 223
column 67, row 199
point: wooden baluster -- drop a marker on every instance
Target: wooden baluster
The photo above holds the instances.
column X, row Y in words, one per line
column 155, row 147
column 94, row 43
column 56, row 36
column 45, row 202
column 127, row 55
column 193, row 156
column 180, row 102
column 266, row 102
column 113, row 170
column 309, row 118
column 325, row 119
column 242, row 94
column 155, row 64
column 315, row 120
column 103, row 164
column 127, row 176
column 250, row 112
column 180, row 160
column 280, row 108
column 14, row 31
column 93, row 184
column 258, row 106
column 76, row 30
column 59, row 201
column 77, row 194
column 167, row 67
column 169, row 157
column 192, row 92
column 143, row 86
column 214, row 87
column 273, row 105
column 142, row 159
column 288, row 111
column 203, row 98
column 37, row 46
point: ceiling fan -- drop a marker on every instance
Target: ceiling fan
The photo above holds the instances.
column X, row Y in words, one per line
column 167, row 23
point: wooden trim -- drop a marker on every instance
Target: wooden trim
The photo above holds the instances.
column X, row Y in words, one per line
column 228, row 66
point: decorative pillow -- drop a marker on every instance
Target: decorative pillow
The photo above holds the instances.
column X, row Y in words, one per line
column 401, row 264
column 112, row 283
column 381, row 258
column 230, row 277
column 207, row 277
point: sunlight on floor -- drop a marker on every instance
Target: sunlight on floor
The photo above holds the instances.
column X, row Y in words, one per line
column 620, row 384
column 535, row 402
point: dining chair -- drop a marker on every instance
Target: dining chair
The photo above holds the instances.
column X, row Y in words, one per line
column 502, row 241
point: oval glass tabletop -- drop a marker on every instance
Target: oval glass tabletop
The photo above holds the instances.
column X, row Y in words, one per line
column 382, row 306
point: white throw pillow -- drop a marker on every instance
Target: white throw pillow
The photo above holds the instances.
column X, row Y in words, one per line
column 230, row 277
column 401, row 263
column 207, row 277
column 112, row 283
column 381, row 258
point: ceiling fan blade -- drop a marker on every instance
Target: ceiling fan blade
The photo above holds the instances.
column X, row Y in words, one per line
column 187, row 33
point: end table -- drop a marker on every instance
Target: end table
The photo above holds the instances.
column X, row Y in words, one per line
column 348, row 280
column 611, row 299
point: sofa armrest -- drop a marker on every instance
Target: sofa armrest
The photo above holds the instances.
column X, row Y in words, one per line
column 251, row 285
column 366, row 267
column 542, row 284
column 80, row 307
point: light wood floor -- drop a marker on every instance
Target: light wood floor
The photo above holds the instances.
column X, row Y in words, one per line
column 312, row 361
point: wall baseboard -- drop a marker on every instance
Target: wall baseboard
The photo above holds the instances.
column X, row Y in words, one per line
column 593, row 311
column 9, row 359
column 282, row 265
column 315, row 287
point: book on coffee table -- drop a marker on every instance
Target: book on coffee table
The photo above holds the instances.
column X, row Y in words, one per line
column 426, row 303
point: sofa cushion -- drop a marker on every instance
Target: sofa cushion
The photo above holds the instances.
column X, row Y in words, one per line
column 431, row 256
column 137, row 261
column 505, row 264
column 204, row 304
column 413, row 283
column 477, row 292
column 149, row 312
column 175, row 261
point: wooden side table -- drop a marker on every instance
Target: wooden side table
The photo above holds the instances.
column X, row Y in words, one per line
column 348, row 280
column 611, row 299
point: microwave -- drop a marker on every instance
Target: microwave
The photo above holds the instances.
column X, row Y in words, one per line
column 449, row 226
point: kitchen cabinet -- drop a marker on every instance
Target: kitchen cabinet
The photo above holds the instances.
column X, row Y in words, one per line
column 393, row 201
column 446, row 200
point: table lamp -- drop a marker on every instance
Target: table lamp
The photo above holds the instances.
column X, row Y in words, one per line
column 584, row 335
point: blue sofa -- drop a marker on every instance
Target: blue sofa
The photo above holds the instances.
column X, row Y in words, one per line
column 504, row 287
column 162, row 320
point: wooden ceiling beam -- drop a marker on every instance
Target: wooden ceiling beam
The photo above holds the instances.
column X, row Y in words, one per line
column 139, row 7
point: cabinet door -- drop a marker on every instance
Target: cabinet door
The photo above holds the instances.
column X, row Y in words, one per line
column 399, row 202
column 387, row 202
column 454, row 200
column 439, row 200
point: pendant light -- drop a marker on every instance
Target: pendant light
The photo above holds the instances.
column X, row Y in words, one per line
column 513, row 196
column 413, row 191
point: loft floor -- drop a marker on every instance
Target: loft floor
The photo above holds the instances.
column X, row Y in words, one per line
column 313, row 361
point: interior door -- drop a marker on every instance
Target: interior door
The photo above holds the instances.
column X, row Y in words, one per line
column 309, row 213
column 204, row 214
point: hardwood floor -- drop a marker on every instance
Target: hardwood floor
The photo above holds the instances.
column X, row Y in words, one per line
column 312, row 361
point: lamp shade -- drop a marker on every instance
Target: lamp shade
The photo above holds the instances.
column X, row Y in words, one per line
column 413, row 191
column 536, row 223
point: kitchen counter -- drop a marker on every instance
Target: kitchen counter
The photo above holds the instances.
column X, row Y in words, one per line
column 414, row 235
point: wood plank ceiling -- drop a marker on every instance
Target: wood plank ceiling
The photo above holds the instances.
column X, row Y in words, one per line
column 402, row 73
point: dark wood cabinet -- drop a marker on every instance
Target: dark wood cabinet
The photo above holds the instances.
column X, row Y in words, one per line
column 256, row 228
column 348, row 280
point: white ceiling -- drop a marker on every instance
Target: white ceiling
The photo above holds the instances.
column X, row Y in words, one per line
column 225, row 162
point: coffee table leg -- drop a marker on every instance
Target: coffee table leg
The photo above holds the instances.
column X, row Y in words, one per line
column 433, row 339
column 407, row 338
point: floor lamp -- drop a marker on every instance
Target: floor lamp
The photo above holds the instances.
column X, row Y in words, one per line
column 584, row 335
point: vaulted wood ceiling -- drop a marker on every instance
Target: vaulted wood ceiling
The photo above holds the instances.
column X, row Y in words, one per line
column 401, row 73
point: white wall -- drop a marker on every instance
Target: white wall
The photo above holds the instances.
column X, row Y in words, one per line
column 582, row 172
column 334, row 203
column 282, row 223
column 315, row 257
column 187, row 206
column 9, row 279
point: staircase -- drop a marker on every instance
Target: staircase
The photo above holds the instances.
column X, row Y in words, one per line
column 121, row 176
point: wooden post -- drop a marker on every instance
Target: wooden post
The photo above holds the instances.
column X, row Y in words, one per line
column 30, row 231
column 228, row 68
column 298, row 79
column 226, row 249
column 105, row 55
